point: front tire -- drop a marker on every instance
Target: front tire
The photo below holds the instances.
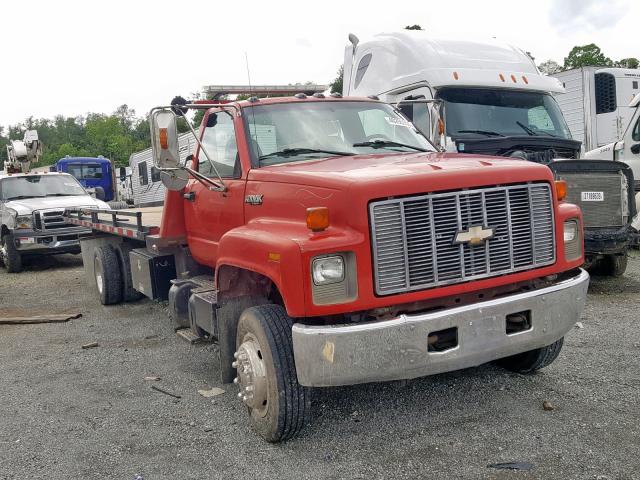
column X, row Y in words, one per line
column 278, row 405
column 533, row 360
column 614, row 265
column 10, row 255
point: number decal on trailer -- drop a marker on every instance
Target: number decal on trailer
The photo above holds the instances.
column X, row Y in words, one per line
column 592, row 196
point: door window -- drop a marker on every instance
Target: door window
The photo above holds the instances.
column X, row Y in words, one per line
column 219, row 141
column 635, row 135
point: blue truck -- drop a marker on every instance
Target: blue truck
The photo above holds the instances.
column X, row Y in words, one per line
column 97, row 174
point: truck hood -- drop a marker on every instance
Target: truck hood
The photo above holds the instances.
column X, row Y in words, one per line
column 26, row 206
column 396, row 174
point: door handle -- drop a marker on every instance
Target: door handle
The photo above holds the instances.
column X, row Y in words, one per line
column 191, row 196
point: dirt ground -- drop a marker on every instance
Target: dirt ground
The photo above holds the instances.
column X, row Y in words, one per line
column 68, row 412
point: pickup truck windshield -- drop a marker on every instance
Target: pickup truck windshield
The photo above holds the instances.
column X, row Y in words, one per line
column 495, row 113
column 35, row 186
column 291, row 132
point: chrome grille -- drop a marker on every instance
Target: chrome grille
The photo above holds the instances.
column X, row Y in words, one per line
column 50, row 220
column 612, row 210
column 413, row 238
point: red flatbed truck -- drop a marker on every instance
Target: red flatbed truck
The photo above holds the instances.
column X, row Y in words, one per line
column 325, row 242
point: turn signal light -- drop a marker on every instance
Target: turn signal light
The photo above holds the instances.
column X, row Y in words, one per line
column 317, row 218
column 561, row 189
column 164, row 139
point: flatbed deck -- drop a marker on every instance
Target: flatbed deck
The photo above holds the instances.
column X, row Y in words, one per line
column 131, row 222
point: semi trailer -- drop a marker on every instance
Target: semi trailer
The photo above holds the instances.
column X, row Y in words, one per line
column 323, row 241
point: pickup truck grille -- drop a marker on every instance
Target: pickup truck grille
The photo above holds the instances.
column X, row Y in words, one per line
column 414, row 245
column 49, row 220
column 602, row 197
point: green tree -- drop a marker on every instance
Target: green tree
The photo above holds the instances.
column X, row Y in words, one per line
column 336, row 85
column 413, row 27
column 549, row 67
column 630, row 62
column 586, row 55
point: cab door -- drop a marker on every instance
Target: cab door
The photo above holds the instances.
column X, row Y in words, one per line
column 210, row 214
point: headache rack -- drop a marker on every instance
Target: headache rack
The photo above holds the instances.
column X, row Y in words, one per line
column 125, row 223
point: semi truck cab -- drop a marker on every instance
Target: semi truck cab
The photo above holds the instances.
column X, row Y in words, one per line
column 488, row 98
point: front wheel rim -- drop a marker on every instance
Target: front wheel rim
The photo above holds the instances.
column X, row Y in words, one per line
column 252, row 375
column 98, row 273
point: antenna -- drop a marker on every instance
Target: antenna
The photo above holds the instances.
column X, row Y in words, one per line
column 253, row 113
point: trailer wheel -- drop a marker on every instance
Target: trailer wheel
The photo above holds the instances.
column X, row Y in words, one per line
column 9, row 254
column 614, row 265
column 529, row 362
column 278, row 405
column 129, row 294
column 107, row 274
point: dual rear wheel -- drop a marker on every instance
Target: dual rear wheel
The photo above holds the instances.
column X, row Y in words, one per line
column 112, row 273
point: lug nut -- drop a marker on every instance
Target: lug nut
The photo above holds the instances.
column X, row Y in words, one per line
column 234, row 364
column 249, row 388
column 240, row 394
column 236, row 380
column 235, row 355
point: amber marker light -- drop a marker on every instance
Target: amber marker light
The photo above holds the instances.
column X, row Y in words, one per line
column 455, row 75
column 317, row 218
column 501, row 77
column 164, row 139
column 561, row 189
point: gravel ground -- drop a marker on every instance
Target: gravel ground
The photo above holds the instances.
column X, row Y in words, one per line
column 73, row 413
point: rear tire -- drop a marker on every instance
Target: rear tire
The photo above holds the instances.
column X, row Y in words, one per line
column 533, row 360
column 278, row 405
column 129, row 294
column 10, row 255
column 614, row 265
column 118, row 205
column 107, row 274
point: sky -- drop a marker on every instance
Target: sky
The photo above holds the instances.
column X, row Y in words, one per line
column 71, row 57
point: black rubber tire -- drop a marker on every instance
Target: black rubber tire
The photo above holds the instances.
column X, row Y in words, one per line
column 129, row 294
column 118, row 205
column 12, row 260
column 288, row 402
column 614, row 265
column 107, row 274
column 533, row 360
column 100, row 195
column 227, row 317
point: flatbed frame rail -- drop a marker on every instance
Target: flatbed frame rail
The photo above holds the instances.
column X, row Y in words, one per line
column 107, row 221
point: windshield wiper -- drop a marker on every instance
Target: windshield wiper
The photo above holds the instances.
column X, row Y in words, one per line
column 388, row 143
column 534, row 133
column 290, row 152
column 63, row 194
column 20, row 197
column 488, row 133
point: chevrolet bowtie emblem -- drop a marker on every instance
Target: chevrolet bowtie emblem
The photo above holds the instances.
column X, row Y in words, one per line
column 475, row 235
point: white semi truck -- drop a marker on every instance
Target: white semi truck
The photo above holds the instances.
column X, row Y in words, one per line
column 489, row 98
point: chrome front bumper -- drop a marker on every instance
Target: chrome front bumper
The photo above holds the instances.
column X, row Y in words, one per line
column 60, row 239
column 397, row 349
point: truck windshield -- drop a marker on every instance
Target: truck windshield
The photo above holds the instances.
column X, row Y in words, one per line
column 35, row 186
column 291, row 132
column 495, row 113
column 87, row 171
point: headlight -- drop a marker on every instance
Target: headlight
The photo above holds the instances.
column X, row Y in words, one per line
column 572, row 240
column 327, row 270
column 24, row 221
column 570, row 231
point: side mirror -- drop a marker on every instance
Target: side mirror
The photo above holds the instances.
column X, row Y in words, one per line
column 123, row 174
column 164, row 139
column 635, row 148
column 188, row 162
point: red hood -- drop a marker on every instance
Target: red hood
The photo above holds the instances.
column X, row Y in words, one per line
column 404, row 173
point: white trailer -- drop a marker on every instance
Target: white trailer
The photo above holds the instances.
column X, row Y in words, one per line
column 148, row 190
column 596, row 103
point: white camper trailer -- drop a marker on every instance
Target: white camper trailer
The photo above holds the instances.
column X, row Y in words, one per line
column 147, row 188
column 596, row 103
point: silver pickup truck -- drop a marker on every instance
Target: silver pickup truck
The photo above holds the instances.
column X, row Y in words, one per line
column 31, row 216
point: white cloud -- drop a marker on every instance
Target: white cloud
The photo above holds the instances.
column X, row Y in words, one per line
column 594, row 15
